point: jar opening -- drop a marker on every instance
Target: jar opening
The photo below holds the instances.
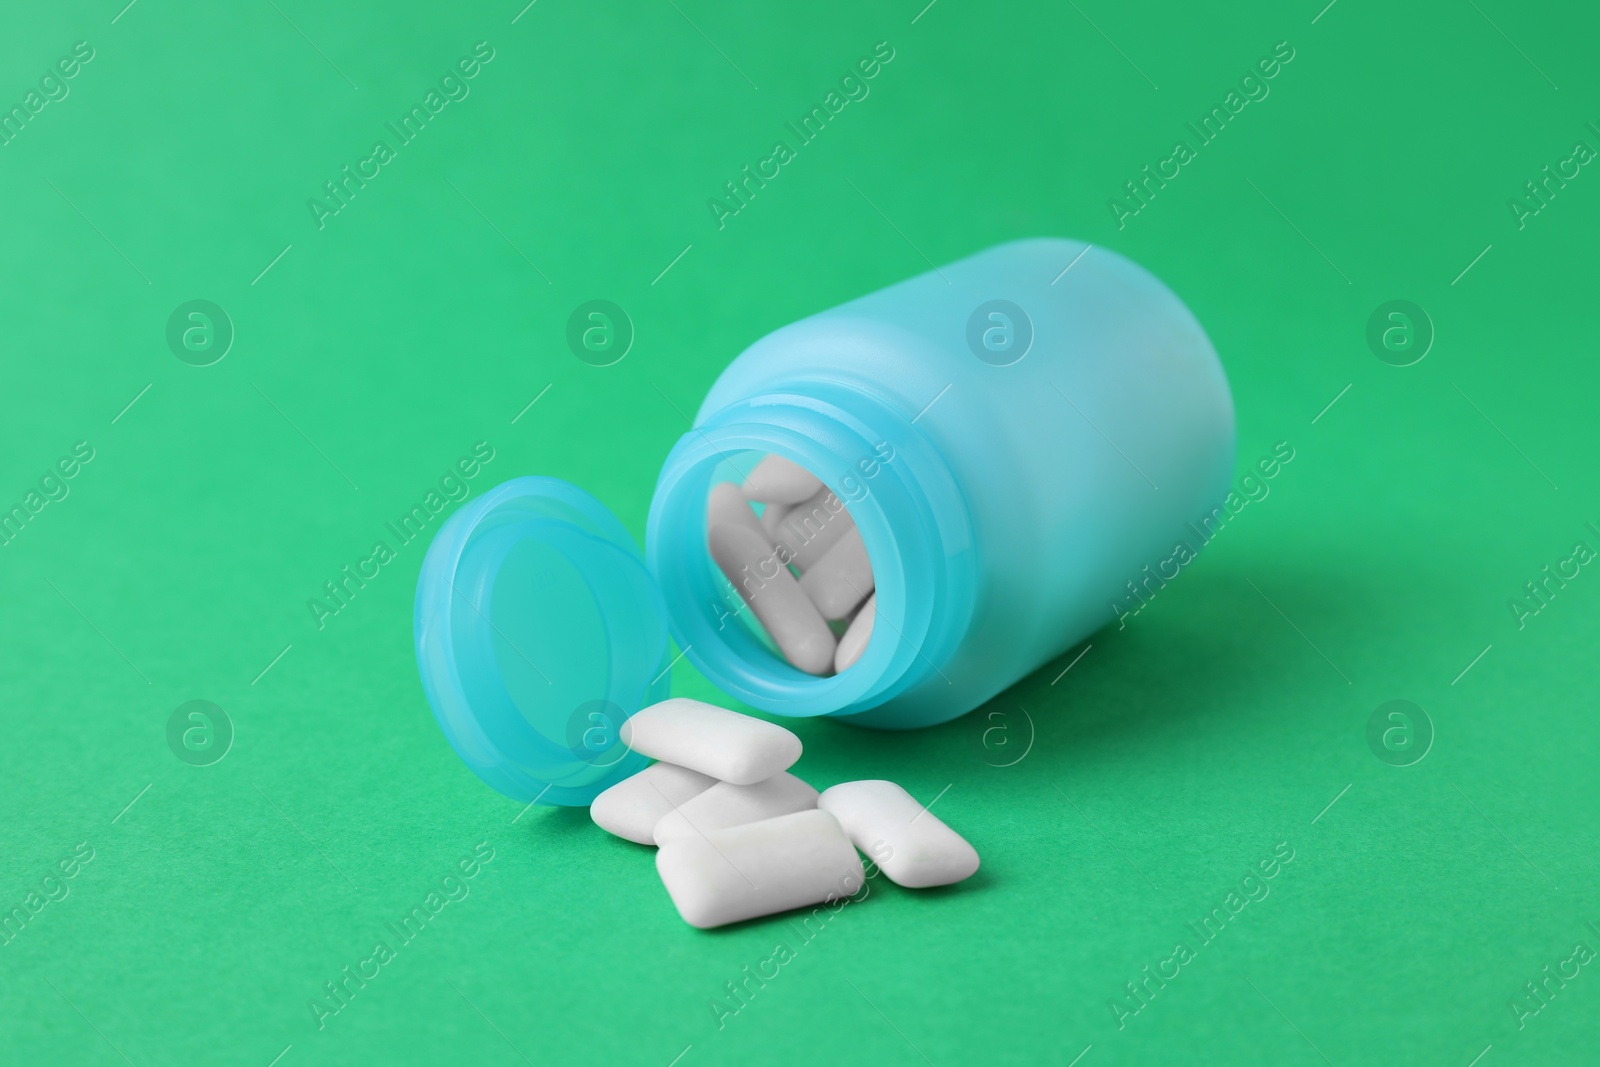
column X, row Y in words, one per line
column 886, row 477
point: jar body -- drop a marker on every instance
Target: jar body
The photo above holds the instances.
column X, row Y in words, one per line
column 1078, row 410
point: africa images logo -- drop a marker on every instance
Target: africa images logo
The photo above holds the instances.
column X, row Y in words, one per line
column 1253, row 85
column 853, row 85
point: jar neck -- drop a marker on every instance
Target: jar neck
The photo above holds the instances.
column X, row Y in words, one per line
column 906, row 503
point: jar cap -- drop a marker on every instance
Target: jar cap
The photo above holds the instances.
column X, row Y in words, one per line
column 538, row 631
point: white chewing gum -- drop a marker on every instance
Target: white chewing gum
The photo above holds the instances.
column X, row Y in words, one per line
column 746, row 559
column 760, row 868
column 854, row 641
column 717, row 742
column 726, row 505
column 631, row 808
column 776, row 480
column 811, row 528
column 772, row 516
column 726, row 804
column 841, row 579
column 907, row 841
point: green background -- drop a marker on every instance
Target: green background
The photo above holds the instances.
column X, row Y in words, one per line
column 1175, row 754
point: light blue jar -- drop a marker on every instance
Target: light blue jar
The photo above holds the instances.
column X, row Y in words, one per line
column 1018, row 436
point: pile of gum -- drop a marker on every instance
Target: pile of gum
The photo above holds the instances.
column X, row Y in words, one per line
column 738, row 837
column 798, row 565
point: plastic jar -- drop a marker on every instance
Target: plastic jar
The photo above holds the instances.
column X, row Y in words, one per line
column 1017, row 435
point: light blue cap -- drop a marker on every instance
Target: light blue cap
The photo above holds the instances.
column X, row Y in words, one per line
column 539, row 630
